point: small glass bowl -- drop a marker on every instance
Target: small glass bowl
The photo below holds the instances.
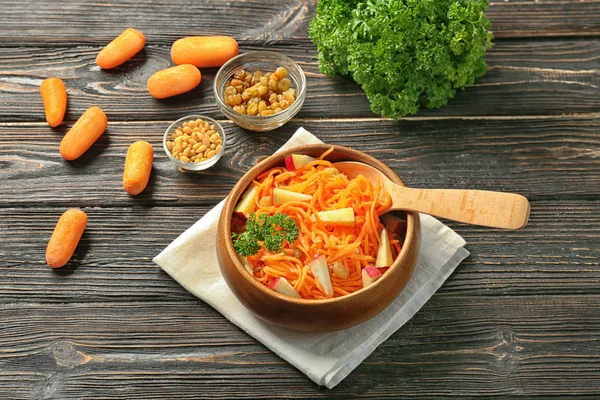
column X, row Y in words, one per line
column 266, row 61
column 194, row 166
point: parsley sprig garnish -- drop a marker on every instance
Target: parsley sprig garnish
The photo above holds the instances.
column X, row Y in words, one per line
column 270, row 230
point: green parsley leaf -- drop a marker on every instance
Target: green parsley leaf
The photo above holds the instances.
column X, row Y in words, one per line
column 405, row 54
column 271, row 231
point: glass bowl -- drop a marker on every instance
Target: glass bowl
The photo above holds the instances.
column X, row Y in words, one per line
column 266, row 61
column 194, row 166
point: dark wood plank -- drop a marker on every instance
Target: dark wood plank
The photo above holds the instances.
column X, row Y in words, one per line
column 542, row 18
column 538, row 157
column 556, row 254
column 455, row 346
column 525, row 78
column 162, row 22
column 67, row 22
column 562, row 241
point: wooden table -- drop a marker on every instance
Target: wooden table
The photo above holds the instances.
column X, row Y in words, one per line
column 520, row 317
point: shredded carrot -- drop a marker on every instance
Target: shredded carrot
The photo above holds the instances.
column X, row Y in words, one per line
column 354, row 246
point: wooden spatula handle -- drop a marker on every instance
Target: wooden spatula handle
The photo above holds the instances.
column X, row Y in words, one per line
column 477, row 207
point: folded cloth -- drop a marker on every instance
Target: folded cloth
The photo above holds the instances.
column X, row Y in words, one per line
column 326, row 358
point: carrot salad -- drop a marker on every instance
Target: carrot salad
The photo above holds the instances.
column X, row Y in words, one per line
column 348, row 247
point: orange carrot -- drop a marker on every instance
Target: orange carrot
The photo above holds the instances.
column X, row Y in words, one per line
column 65, row 237
column 83, row 134
column 173, row 81
column 138, row 165
column 204, row 51
column 54, row 97
column 121, row 49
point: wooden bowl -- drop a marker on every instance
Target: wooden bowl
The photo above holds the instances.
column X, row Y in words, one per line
column 314, row 315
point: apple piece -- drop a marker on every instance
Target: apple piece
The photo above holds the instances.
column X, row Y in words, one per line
column 238, row 222
column 340, row 270
column 320, row 271
column 289, row 163
column 343, row 216
column 300, row 160
column 247, row 203
column 282, row 286
column 384, row 252
column 296, row 161
column 281, row 196
column 246, row 264
column 370, row 274
column 394, row 224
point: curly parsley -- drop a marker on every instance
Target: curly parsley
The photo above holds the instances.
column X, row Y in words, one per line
column 271, row 231
column 403, row 53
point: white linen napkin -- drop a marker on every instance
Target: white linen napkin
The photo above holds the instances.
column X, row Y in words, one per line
column 326, row 358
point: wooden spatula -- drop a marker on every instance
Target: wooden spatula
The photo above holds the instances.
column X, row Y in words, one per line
column 475, row 207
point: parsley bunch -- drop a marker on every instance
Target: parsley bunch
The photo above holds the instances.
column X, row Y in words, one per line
column 271, row 231
column 404, row 53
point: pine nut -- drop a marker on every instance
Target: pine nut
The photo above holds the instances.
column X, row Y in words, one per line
column 195, row 141
column 265, row 201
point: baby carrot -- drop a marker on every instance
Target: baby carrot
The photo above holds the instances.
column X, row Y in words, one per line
column 54, row 97
column 204, row 51
column 173, row 81
column 83, row 134
column 65, row 237
column 121, row 49
column 138, row 164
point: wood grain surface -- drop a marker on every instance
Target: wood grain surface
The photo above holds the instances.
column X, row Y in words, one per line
column 518, row 318
column 71, row 23
column 541, row 158
column 545, row 77
column 114, row 259
column 456, row 346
